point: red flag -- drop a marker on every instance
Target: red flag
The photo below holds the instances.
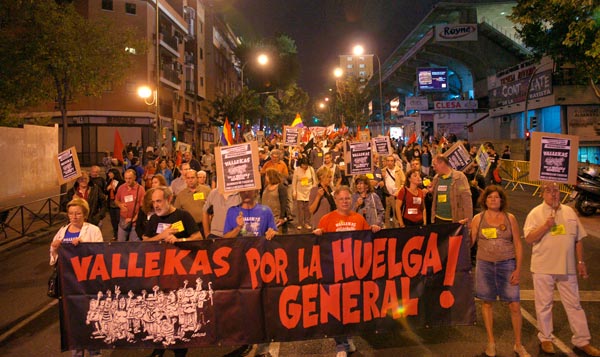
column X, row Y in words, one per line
column 118, row 148
column 413, row 138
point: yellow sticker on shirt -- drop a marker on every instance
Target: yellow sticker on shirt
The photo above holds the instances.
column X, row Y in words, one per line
column 426, row 182
column 489, row 233
column 370, row 176
column 178, row 226
column 558, row 229
column 442, row 198
column 198, row 196
column 319, row 154
column 304, row 181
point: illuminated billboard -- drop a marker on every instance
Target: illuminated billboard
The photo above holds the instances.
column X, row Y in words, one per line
column 432, row 79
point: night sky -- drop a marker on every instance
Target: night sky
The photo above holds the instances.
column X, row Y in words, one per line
column 325, row 29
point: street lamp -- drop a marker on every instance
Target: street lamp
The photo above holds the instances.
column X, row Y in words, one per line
column 337, row 73
column 359, row 50
column 262, row 60
column 150, row 97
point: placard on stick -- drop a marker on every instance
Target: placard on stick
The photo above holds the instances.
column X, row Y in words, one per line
column 361, row 158
column 67, row 166
column 458, row 156
column 382, row 145
column 237, row 167
column 553, row 157
column 291, row 136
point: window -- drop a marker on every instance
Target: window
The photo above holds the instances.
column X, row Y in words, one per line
column 362, row 65
column 362, row 58
column 349, row 58
column 349, row 66
column 107, row 5
column 362, row 73
column 130, row 8
column 201, row 81
column 201, row 53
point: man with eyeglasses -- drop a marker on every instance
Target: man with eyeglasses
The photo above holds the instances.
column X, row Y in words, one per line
column 343, row 219
column 556, row 234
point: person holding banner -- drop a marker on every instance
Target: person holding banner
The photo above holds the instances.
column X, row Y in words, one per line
column 250, row 219
column 499, row 257
column 341, row 220
column 451, row 194
column 556, row 235
column 77, row 231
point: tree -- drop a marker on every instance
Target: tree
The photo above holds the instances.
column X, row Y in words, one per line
column 293, row 100
column 49, row 52
column 235, row 107
column 568, row 31
column 352, row 98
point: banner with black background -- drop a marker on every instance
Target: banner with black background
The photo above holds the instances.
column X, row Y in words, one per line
column 249, row 290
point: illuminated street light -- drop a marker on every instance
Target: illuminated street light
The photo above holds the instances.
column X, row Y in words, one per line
column 338, row 72
column 262, row 60
column 150, row 97
column 358, row 50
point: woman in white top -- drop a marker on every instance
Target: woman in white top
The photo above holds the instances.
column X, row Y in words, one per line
column 77, row 231
column 303, row 180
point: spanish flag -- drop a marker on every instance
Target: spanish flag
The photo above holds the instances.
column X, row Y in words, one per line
column 226, row 136
column 298, row 121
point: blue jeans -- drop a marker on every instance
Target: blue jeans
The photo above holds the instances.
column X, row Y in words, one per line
column 492, row 280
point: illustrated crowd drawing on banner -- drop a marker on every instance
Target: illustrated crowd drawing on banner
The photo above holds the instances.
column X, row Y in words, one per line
column 160, row 317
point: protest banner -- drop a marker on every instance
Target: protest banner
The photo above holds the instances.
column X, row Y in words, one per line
column 554, row 157
column 249, row 136
column 483, row 160
column 458, row 156
column 202, row 293
column 67, row 166
column 183, row 147
column 382, row 145
column 361, row 158
column 237, row 167
column 291, row 135
column 260, row 137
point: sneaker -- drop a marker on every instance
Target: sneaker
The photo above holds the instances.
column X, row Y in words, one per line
column 548, row 347
column 590, row 350
column 308, row 227
column 490, row 350
column 521, row 351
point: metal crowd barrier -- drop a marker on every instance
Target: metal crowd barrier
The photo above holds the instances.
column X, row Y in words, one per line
column 23, row 218
column 516, row 174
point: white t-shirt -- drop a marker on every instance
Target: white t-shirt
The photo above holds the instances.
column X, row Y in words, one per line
column 555, row 252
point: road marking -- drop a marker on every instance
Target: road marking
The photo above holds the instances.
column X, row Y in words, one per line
column 31, row 317
column 557, row 342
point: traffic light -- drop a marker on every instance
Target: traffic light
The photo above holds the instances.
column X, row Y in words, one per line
column 527, row 134
column 533, row 122
column 173, row 138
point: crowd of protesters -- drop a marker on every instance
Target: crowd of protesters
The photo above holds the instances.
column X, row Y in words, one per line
column 306, row 189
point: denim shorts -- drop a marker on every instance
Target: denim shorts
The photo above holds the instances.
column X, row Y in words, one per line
column 492, row 280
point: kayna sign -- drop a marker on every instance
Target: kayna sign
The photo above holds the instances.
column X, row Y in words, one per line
column 456, row 32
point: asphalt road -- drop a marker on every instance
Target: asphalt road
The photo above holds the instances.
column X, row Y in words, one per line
column 29, row 320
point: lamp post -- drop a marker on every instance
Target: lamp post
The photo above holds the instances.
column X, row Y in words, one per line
column 359, row 50
column 338, row 73
column 151, row 98
column 262, row 60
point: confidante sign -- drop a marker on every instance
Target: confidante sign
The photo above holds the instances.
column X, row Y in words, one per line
column 249, row 290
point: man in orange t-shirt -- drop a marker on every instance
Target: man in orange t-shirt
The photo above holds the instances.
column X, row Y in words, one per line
column 343, row 219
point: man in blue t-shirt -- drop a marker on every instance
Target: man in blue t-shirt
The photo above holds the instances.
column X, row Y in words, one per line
column 249, row 219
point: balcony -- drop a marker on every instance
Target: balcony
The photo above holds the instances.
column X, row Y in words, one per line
column 171, row 75
column 171, row 41
column 190, row 86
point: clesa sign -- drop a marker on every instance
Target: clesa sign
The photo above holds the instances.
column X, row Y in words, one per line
column 456, row 32
column 455, row 105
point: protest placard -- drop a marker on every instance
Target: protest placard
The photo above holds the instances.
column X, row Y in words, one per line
column 554, row 157
column 237, row 167
column 458, row 156
column 67, row 166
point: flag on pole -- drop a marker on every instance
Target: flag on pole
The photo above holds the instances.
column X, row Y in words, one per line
column 297, row 121
column 226, row 136
column 118, row 148
column 413, row 138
